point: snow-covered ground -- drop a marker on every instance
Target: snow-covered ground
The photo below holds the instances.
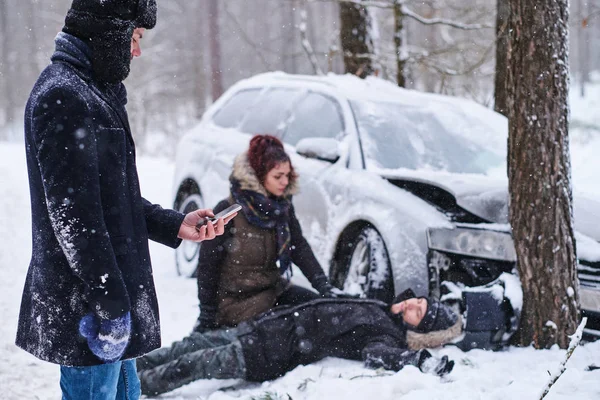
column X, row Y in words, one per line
column 585, row 137
column 516, row 373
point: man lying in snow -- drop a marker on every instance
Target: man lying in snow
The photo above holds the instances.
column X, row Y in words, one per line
column 286, row 337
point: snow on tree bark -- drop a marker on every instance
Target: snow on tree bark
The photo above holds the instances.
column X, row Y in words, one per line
column 357, row 44
column 215, row 50
column 501, row 54
column 539, row 170
column 400, row 45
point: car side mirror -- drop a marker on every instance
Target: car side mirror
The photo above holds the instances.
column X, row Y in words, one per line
column 324, row 149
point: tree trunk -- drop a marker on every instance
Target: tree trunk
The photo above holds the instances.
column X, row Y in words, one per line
column 289, row 45
column 400, row 45
column 199, row 63
column 356, row 41
column 500, row 89
column 539, row 170
column 6, row 78
column 583, row 42
column 215, row 49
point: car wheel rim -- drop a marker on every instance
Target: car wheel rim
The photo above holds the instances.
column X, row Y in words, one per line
column 187, row 253
column 358, row 270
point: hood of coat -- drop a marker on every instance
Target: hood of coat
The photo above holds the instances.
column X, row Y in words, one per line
column 433, row 339
column 74, row 51
column 77, row 53
column 244, row 173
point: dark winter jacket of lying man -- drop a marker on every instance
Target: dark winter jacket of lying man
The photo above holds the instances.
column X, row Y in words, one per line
column 276, row 342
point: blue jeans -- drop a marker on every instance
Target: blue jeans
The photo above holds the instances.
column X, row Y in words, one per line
column 116, row 381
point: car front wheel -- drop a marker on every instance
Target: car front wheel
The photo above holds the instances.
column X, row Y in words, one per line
column 186, row 255
column 365, row 266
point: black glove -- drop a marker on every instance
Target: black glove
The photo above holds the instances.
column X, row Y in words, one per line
column 326, row 289
column 432, row 365
column 206, row 320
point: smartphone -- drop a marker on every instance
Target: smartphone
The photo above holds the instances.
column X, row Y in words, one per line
column 223, row 214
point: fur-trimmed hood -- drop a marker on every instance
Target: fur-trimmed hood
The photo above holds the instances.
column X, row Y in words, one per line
column 246, row 176
column 417, row 341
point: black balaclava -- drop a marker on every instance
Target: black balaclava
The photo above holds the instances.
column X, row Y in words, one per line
column 107, row 26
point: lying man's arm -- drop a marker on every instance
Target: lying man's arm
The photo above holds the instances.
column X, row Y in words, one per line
column 382, row 353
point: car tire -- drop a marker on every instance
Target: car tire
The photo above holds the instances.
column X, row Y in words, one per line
column 187, row 254
column 365, row 267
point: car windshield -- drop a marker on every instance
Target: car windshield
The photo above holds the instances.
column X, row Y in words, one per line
column 398, row 136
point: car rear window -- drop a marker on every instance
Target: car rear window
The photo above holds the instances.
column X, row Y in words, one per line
column 315, row 116
column 232, row 113
column 268, row 115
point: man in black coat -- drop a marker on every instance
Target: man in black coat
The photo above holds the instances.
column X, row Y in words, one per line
column 89, row 299
column 285, row 337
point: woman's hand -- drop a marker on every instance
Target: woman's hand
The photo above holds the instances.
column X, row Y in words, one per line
column 326, row 289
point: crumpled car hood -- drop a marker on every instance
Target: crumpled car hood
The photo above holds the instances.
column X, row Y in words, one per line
column 487, row 197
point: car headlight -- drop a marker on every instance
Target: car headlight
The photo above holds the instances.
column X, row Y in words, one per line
column 473, row 242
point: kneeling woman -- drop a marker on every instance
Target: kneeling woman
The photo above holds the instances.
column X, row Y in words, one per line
column 238, row 275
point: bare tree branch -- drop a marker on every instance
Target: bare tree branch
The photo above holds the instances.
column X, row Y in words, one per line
column 306, row 43
column 246, row 38
column 575, row 339
column 333, row 49
column 593, row 15
column 411, row 14
column 468, row 70
column 366, row 3
column 369, row 3
column 443, row 21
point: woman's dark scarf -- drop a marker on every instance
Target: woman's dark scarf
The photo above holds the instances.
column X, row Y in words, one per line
column 267, row 213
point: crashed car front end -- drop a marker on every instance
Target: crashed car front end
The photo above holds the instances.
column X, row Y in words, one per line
column 472, row 255
column 469, row 254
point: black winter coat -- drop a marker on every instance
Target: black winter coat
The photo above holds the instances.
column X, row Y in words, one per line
column 90, row 225
column 286, row 337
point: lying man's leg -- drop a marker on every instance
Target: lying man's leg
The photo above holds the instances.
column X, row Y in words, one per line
column 194, row 342
column 224, row 362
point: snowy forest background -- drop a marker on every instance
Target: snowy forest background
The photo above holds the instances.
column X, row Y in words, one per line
column 171, row 86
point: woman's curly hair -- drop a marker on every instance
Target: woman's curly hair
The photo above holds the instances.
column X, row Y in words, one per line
column 265, row 153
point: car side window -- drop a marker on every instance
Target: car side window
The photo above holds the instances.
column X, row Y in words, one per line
column 232, row 113
column 268, row 115
column 316, row 115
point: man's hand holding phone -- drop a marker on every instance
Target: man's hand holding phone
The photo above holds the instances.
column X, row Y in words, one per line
column 226, row 215
column 195, row 228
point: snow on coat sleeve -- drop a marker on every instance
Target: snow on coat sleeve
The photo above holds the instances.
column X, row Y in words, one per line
column 68, row 162
column 163, row 225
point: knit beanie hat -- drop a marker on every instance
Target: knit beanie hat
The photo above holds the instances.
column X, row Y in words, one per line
column 107, row 26
column 407, row 294
column 438, row 317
